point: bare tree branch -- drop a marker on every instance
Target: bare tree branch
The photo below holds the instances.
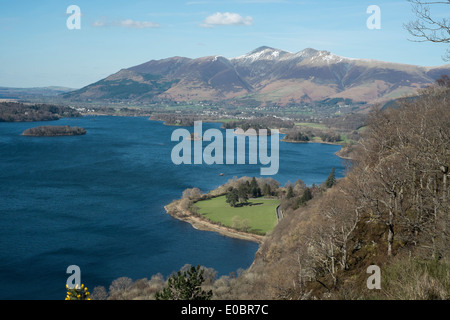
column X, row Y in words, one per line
column 427, row 28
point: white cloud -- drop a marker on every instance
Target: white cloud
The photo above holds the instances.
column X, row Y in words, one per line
column 226, row 19
column 137, row 24
column 99, row 24
column 128, row 23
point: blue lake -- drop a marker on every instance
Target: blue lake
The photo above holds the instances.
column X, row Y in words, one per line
column 97, row 201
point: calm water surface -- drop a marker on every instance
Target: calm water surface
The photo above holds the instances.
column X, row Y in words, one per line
column 97, row 201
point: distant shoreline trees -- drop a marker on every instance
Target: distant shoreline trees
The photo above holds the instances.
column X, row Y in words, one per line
column 20, row 112
column 297, row 135
column 264, row 123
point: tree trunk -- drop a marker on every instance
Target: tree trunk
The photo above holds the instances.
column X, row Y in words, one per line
column 444, row 170
column 390, row 237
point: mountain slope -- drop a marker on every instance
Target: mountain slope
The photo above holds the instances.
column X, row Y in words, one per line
column 267, row 75
column 30, row 93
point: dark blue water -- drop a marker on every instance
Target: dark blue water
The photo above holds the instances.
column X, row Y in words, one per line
column 97, row 201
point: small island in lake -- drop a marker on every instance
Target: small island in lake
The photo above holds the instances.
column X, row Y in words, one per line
column 54, row 131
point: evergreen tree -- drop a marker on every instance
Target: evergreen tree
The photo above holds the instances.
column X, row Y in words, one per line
column 185, row 286
column 331, row 180
column 267, row 190
column 232, row 197
column 290, row 192
column 243, row 191
column 307, row 195
column 254, row 189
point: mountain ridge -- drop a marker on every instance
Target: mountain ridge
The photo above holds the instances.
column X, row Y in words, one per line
column 266, row 75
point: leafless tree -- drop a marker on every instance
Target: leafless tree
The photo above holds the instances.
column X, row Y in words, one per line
column 192, row 194
column 427, row 27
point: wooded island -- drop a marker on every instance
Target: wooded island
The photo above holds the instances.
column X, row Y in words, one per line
column 54, row 131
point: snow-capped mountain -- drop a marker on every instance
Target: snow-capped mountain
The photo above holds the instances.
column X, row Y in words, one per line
column 263, row 54
column 265, row 75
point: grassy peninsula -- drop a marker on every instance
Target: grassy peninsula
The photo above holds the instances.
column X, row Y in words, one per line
column 244, row 208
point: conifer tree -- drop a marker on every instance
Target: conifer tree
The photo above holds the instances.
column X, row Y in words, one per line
column 331, row 180
column 185, row 286
column 290, row 192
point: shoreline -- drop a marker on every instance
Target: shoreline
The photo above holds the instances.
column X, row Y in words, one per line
column 198, row 223
column 337, row 153
column 343, row 157
column 218, row 121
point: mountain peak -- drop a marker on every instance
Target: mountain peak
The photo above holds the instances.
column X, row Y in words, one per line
column 318, row 56
column 263, row 48
column 264, row 53
column 308, row 52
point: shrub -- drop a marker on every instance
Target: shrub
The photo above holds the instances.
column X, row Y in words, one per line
column 77, row 293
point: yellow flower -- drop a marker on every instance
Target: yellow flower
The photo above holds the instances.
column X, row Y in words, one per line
column 78, row 296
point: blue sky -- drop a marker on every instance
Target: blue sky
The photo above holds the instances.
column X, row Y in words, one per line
column 37, row 48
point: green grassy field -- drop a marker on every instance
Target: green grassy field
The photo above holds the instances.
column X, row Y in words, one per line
column 311, row 125
column 344, row 139
column 362, row 129
column 259, row 216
